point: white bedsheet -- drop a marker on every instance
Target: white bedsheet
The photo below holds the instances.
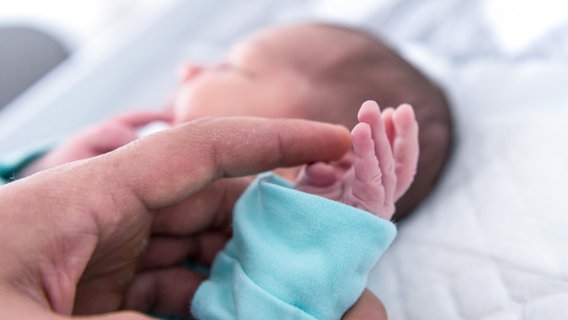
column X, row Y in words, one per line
column 490, row 243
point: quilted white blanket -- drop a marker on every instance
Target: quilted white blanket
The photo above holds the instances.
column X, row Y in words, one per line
column 491, row 242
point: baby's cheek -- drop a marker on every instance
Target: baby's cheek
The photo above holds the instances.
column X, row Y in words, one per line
column 192, row 102
column 186, row 110
column 181, row 107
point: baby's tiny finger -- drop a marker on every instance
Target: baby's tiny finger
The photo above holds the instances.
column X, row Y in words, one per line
column 368, row 190
column 387, row 115
column 316, row 175
column 405, row 147
column 366, row 162
column 371, row 114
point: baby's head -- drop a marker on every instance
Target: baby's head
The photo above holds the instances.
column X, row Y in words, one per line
column 321, row 72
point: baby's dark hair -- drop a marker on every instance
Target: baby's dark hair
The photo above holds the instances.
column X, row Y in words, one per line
column 365, row 68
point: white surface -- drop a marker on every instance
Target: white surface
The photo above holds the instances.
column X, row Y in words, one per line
column 74, row 22
column 519, row 23
column 490, row 243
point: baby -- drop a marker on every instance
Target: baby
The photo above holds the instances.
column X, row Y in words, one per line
column 314, row 71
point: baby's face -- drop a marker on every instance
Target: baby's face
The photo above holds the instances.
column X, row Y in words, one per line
column 256, row 78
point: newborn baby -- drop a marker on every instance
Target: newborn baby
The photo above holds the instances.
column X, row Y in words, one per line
column 315, row 71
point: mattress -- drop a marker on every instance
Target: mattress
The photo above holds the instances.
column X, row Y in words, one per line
column 490, row 242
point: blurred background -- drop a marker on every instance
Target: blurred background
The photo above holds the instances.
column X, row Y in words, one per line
column 488, row 244
column 107, row 45
column 35, row 36
column 70, row 21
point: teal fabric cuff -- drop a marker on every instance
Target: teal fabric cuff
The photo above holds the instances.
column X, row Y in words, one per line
column 293, row 255
column 11, row 164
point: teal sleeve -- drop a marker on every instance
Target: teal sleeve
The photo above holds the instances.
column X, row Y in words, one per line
column 293, row 255
column 11, row 164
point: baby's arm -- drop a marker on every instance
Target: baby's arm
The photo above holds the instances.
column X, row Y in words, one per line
column 381, row 168
column 96, row 140
column 301, row 238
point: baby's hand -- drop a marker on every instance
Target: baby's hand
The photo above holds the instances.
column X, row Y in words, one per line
column 98, row 139
column 381, row 167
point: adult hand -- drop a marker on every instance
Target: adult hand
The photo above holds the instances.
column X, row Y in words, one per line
column 367, row 307
column 71, row 237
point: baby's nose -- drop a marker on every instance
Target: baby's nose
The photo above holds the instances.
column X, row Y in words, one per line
column 189, row 71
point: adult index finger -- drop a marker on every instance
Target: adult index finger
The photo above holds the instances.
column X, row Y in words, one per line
column 164, row 168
